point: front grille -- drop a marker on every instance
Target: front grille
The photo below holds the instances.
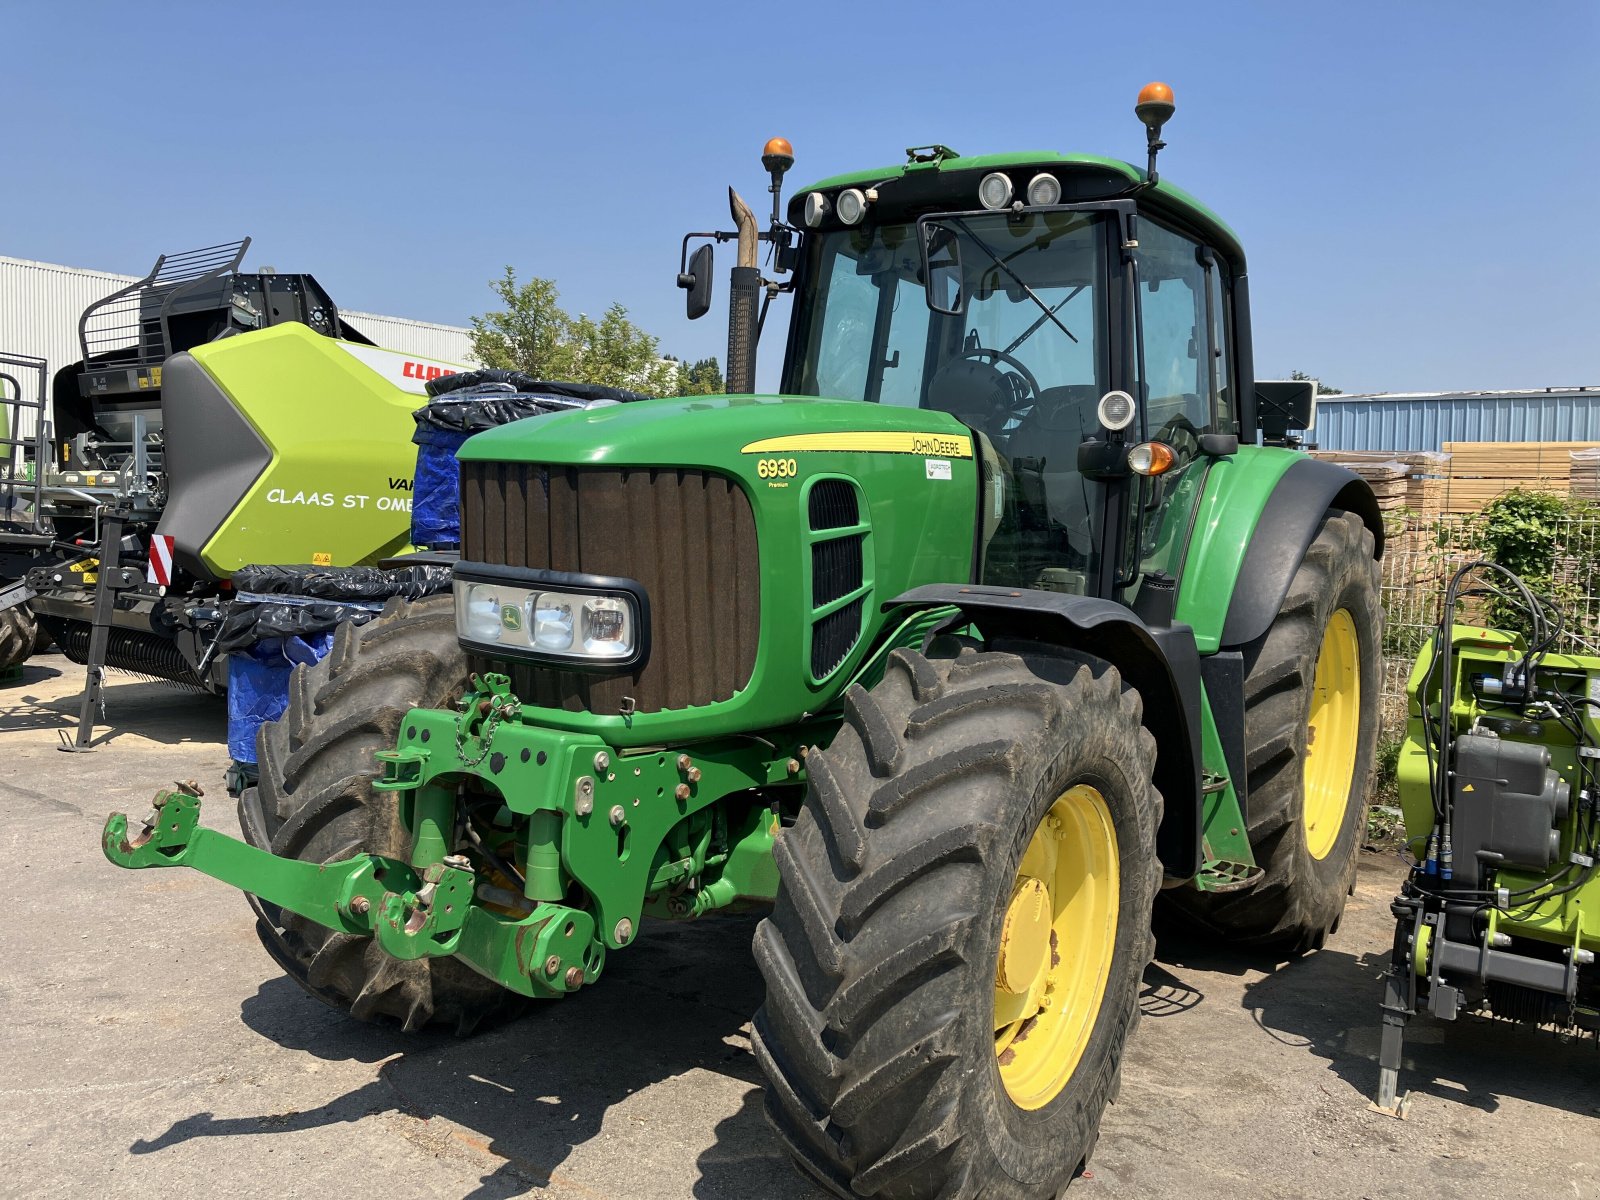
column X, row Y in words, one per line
column 833, row 637
column 688, row 537
column 835, row 569
column 833, row 505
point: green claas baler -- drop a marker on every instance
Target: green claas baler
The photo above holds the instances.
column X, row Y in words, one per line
column 952, row 656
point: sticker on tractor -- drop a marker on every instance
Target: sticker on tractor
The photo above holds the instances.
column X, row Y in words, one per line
column 322, row 559
column 938, row 468
column 943, row 445
column 159, row 572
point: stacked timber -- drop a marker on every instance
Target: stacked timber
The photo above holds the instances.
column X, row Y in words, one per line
column 1586, row 474
column 1413, row 480
column 1483, row 471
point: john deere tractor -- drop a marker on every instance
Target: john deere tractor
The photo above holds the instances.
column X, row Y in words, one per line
column 952, row 656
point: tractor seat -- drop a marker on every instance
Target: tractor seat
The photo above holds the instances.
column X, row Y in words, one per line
column 1049, row 436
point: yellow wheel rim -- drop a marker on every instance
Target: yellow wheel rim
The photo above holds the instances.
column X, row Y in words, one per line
column 1332, row 733
column 1056, row 944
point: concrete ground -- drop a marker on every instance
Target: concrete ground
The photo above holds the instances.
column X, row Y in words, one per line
column 150, row 1046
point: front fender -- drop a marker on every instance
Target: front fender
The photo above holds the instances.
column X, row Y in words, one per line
column 1162, row 664
column 1260, row 511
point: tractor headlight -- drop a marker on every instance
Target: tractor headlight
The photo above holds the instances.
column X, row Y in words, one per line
column 851, row 205
column 1044, row 189
column 994, row 190
column 575, row 620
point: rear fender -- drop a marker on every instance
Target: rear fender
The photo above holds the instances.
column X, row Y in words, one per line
column 1162, row 664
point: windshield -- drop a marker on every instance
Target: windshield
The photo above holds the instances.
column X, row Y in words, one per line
column 1024, row 362
column 1033, row 312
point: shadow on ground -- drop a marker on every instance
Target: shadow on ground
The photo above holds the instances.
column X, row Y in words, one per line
column 1328, row 1003
column 161, row 712
column 533, row 1090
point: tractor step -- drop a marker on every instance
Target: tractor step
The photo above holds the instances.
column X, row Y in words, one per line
column 1221, row 875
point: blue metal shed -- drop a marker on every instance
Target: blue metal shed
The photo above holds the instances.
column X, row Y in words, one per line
column 1426, row 420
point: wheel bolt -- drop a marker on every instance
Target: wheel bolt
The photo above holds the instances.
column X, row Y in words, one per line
column 681, row 791
column 684, row 762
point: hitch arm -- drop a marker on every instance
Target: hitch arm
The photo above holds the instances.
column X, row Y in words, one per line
column 340, row 895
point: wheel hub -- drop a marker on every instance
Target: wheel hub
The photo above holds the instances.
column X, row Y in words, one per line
column 1331, row 734
column 1057, row 940
column 1025, row 938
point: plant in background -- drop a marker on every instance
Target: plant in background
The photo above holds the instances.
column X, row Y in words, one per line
column 1552, row 541
column 534, row 334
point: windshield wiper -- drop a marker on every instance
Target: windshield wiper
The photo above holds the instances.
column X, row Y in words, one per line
column 1034, row 328
column 999, row 262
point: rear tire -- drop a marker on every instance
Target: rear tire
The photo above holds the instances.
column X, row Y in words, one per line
column 315, row 802
column 886, row 1074
column 1301, row 895
column 20, row 636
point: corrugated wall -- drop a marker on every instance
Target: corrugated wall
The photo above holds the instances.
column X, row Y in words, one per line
column 1426, row 422
column 40, row 304
column 447, row 342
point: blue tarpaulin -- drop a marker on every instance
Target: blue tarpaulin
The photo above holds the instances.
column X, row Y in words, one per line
column 436, row 489
column 258, row 685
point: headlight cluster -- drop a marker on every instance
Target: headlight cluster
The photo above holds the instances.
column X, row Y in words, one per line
column 528, row 620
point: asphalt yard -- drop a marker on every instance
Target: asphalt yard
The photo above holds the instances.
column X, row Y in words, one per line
column 151, row 1047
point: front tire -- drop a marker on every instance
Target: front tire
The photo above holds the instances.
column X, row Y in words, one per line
column 1311, row 728
column 947, row 997
column 315, row 802
column 20, row 636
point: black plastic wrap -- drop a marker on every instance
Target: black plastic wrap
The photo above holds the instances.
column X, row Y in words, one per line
column 527, row 383
column 343, row 583
column 251, row 620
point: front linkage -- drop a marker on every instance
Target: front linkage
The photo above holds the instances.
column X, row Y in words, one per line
column 588, row 837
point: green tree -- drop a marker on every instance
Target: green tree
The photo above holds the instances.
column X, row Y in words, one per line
column 533, row 333
column 1323, row 388
column 702, row 378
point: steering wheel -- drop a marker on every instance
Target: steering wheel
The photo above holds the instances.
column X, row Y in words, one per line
column 979, row 392
column 1012, row 361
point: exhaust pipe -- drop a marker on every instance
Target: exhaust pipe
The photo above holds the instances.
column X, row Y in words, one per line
column 744, row 294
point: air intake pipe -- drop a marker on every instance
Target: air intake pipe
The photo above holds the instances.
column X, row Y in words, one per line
column 744, row 292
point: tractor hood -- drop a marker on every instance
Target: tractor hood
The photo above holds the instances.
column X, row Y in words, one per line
column 728, row 433
column 765, row 532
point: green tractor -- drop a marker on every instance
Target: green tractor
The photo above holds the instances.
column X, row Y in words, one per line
column 952, row 656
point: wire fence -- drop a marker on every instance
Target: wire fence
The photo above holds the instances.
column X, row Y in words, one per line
column 1559, row 557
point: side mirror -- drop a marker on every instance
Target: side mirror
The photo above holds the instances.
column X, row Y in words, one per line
column 941, row 270
column 697, row 282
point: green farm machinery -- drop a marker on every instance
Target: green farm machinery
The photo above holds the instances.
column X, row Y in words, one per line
column 1499, row 781
column 995, row 624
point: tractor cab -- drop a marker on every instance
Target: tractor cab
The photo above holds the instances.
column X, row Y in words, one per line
column 1088, row 343
column 1085, row 321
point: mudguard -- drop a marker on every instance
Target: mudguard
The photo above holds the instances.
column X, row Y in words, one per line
column 1162, row 664
column 1288, row 523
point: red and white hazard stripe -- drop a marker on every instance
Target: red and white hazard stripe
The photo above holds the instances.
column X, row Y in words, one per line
column 160, row 571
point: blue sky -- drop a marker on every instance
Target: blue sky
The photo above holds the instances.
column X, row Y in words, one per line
column 1416, row 183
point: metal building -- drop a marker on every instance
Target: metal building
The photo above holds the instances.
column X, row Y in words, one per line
column 40, row 304
column 1406, row 421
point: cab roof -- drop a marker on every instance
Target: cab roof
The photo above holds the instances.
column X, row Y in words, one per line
column 1164, row 197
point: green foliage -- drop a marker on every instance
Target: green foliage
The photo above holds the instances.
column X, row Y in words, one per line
column 1323, row 388
column 1552, row 541
column 533, row 333
column 702, row 378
